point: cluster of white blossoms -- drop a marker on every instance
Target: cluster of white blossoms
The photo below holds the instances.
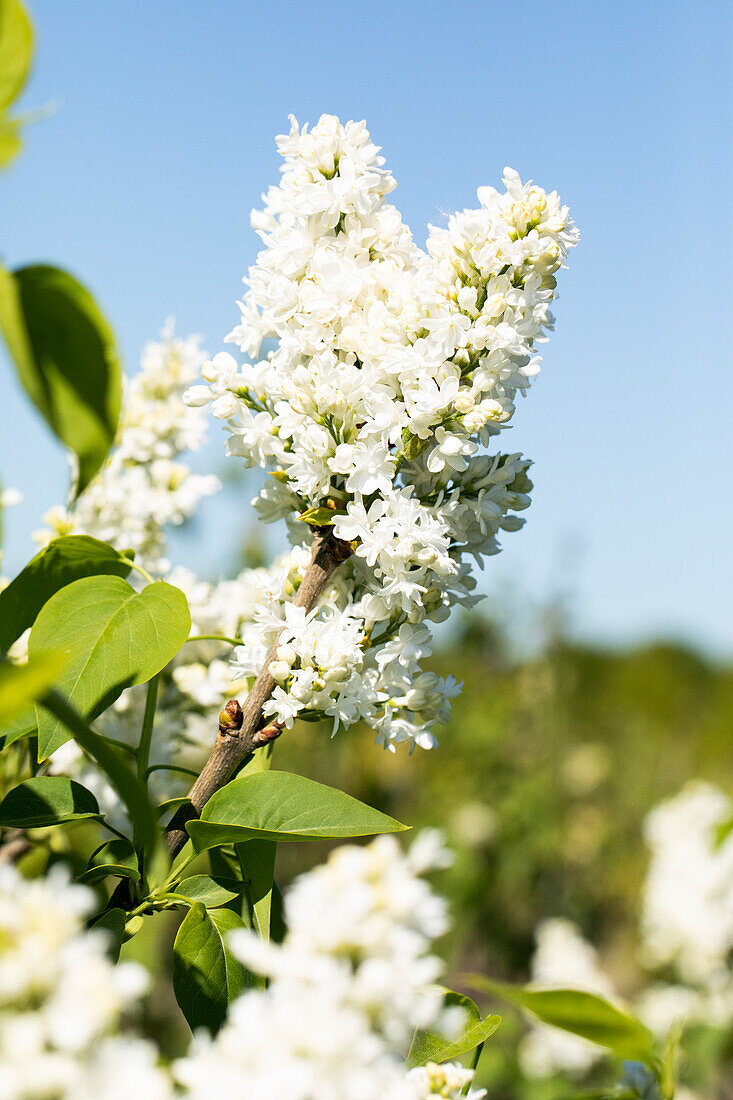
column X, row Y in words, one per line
column 686, row 932
column 393, row 368
column 346, row 989
column 143, row 485
column 687, row 919
column 61, row 999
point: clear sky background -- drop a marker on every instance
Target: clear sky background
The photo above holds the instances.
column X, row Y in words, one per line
column 163, row 139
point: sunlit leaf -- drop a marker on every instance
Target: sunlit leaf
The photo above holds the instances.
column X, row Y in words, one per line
column 428, row 1046
column 20, row 685
column 285, row 807
column 585, row 1014
column 112, row 637
column 65, row 355
column 64, row 560
column 16, row 50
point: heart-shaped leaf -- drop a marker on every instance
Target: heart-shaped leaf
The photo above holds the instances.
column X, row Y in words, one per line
column 284, row 806
column 428, row 1046
column 47, row 800
column 206, row 976
column 584, row 1014
column 65, row 355
column 64, row 560
column 112, row 637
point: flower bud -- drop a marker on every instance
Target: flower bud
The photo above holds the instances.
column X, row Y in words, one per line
column 279, row 670
column 230, row 718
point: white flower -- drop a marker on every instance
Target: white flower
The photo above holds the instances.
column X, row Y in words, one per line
column 392, row 368
column 346, row 989
column 687, row 918
column 60, row 996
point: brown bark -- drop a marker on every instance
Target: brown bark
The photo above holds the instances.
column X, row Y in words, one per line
column 238, row 739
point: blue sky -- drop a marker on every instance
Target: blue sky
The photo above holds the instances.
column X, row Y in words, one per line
column 162, row 140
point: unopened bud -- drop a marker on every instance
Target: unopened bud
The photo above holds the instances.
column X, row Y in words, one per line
column 269, row 733
column 231, row 717
column 279, row 670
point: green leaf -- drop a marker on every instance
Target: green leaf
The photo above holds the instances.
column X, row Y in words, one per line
column 428, row 1046
column 110, row 759
column 319, row 517
column 113, row 922
column 112, row 637
column 283, row 806
column 20, row 685
column 212, row 891
column 15, row 729
column 257, row 860
column 206, row 976
column 16, row 50
column 10, row 143
column 117, row 857
column 47, row 800
column 584, row 1014
column 65, row 355
column 64, row 560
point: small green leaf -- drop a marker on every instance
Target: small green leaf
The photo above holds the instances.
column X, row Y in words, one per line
column 112, row 637
column 116, row 857
column 257, row 860
column 21, row 684
column 16, row 50
column 64, row 560
column 319, row 517
column 212, row 891
column 206, row 976
column 47, row 800
column 412, row 447
column 65, row 355
column 427, row 1046
column 282, row 806
column 584, row 1014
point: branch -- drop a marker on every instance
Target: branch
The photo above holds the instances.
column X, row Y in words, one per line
column 14, row 846
column 242, row 729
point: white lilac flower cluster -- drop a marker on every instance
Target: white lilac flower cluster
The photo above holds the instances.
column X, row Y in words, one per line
column 686, row 932
column 143, row 485
column 61, row 1000
column 687, row 919
column 346, row 989
column 393, row 368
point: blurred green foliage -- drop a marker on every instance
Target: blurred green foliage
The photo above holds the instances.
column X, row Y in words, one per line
column 541, row 783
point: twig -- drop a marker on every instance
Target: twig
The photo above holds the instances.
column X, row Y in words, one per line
column 241, row 728
column 14, row 846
